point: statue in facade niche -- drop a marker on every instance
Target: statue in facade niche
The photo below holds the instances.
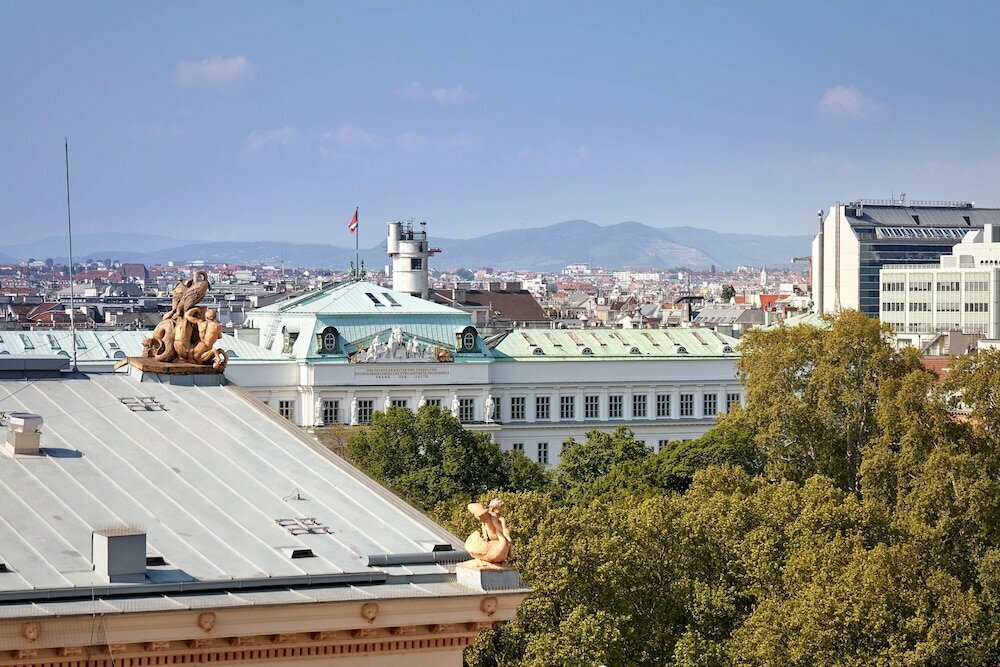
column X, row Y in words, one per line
column 454, row 407
column 490, row 408
column 187, row 334
column 354, row 411
column 489, row 547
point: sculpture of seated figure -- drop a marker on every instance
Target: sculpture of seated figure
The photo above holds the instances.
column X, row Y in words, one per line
column 490, row 547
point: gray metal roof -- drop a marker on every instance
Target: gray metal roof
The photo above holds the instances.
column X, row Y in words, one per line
column 103, row 347
column 206, row 477
column 930, row 216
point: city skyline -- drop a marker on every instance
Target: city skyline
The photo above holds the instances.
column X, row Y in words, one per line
column 241, row 121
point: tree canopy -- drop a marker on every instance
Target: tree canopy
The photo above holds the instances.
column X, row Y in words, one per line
column 849, row 515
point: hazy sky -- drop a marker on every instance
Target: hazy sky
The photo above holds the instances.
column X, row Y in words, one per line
column 272, row 121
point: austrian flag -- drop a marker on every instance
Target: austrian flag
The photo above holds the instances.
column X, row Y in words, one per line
column 353, row 225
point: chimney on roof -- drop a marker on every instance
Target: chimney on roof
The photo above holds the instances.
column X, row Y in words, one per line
column 24, row 431
column 120, row 554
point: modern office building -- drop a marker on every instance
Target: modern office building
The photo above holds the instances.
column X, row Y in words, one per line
column 857, row 239
column 961, row 292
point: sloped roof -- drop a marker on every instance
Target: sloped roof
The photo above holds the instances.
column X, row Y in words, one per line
column 804, row 319
column 517, row 306
column 207, row 476
column 351, row 298
column 638, row 344
column 102, row 346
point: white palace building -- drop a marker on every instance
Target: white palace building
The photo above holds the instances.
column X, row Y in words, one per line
column 336, row 355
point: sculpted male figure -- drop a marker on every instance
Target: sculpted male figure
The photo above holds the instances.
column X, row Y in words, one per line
column 209, row 331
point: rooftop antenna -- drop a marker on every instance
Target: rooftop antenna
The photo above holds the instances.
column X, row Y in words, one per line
column 72, row 290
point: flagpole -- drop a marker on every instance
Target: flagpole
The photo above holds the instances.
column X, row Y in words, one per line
column 357, row 240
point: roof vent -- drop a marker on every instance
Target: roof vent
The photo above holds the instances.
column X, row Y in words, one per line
column 120, row 554
column 587, row 351
column 24, row 431
column 538, row 351
column 155, row 561
column 4, row 568
column 634, row 350
column 302, row 553
column 727, row 349
column 682, row 350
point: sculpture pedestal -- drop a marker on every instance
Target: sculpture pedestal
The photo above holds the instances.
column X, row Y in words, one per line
column 492, row 579
column 149, row 365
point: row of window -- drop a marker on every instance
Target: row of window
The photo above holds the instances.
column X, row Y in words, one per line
column 331, row 414
column 943, row 286
column 542, row 449
column 616, row 406
column 924, row 307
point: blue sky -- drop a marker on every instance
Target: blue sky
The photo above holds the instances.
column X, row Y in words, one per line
column 272, row 121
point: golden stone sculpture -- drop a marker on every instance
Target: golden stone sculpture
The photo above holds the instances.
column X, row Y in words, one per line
column 187, row 334
column 490, row 546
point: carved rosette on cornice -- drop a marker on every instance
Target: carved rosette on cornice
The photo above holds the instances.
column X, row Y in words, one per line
column 356, row 628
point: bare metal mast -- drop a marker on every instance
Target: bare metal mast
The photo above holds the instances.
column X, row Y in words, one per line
column 72, row 290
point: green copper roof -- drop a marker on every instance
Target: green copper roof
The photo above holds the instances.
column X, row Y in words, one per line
column 584, row 344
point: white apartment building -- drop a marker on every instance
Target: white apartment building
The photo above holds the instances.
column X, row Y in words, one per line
column 961, row 292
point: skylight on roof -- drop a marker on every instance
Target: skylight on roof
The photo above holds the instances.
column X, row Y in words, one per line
column 374, row 299
column 388, row 297
column 28, row 345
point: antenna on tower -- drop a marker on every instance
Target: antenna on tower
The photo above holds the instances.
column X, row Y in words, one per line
column 72, row 290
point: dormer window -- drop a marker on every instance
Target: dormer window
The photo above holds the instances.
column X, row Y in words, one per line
column 634, row 350
column 588, row 352
column 538, row 352
column 682, row 350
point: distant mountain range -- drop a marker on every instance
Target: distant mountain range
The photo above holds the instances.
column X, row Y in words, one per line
column 625, row 245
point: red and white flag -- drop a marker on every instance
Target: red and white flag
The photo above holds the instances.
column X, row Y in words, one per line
column 353, row 225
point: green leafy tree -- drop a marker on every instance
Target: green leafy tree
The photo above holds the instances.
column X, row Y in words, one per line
column 812, row 394
column 427, row 457
column 582, row 462
column 728, row 292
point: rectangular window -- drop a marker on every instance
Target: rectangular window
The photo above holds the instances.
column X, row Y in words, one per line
column 732, row 401
column 518, row 447
column 567, row 407
column 416, row 264
column 399, row 402
column 517, row 408
column 287, row 409
column 543, row 452
column 331, row 412
column 433, row 402
column 710, row 404
column 663, row 405
column 661, row 445
column 542, row 405
column 591, row 407
column 638, row 406
column 687, row 405
column 365, row 409
column 466, row 409
column 615, row 406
